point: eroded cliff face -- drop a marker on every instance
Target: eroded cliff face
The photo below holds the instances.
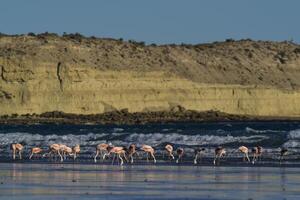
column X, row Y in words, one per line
column 89, row 76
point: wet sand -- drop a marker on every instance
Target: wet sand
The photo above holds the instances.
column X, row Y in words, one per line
column 82, row 181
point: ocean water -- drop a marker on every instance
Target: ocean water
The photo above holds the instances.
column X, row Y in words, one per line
column 45, row 179
column 80, row 181
column 270, row 135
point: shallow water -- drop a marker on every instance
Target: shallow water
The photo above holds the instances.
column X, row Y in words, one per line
column 78, row 181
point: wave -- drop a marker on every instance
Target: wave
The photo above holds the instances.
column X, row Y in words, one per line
column 294, row 134
column 293, row 139
column 190, row 140
column 118, row 129
column 89, row 138
column 46, row 140
column 251, row 130
column 154, row 139
column 291, row 144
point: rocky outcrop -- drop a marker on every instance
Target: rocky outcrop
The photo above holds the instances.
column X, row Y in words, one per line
column 47, row 73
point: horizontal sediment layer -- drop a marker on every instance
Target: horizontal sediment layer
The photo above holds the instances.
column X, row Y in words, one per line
column 178, row 114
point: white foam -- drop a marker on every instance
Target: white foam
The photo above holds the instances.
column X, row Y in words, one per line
column 46, row 140
column 294, row 134
column 175, row 138
column 291, row 144
column 294, row 139
column 251, row 130
column 118, row 129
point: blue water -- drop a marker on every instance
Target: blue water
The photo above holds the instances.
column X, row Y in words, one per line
column 76, row 181
column 83, row 179
column 270, row 135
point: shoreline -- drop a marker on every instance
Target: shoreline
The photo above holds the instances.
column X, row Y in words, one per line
column 124, row 117
column 231, row 163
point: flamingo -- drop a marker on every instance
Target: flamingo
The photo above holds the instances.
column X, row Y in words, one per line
column 257, row 152
column 198, row 153
column 119, row 151
column 100, row 149
column 180, row 152
column 17, row 148
column 54, row 149
column 219, row 152
column 76, row 150
column 169, row 150
column 245, row 152
column 131, row 151
column 66, row 151
column 149, row 150
column 35, row 150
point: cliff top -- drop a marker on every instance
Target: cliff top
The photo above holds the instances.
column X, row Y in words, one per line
column 244, row 62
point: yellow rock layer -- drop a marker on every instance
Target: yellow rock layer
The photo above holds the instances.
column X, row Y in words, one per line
column 82, row 90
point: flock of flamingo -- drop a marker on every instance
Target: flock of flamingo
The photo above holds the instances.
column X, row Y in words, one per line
column 127, row 153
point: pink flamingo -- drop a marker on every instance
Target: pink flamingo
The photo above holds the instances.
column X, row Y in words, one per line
column 102, row 150
column 219, row 153
column 150, row 151
column 169, row 150
column 198, row 153
column 119, row 151
column 17, row 148
column 54, row 149
column 131, row 152
column 257, row 152
column 76, row 150
column 245, row 152
column 35, row 151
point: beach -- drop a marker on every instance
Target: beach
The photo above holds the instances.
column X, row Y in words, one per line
column 96, row 181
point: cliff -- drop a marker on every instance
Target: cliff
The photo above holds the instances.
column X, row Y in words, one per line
column 79, row 75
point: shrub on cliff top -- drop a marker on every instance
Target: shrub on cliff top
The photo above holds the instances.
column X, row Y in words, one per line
column 75, row 36
column 3, row 34
column 137, row 43
column 229, row 40
column 31, row 34
column 47, row 34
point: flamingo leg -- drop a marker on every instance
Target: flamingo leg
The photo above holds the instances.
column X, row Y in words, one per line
column 124, row 155
column 30, row 155
column 216, row 158
column 61, row 158
column 105, row 154
column 120, row 157
column 95, row 158
column 254, row 159
column 14, row 154
column 172, row 156
column 195, row 159
column 131, row 159
column 152, row 154
column 247, row 156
